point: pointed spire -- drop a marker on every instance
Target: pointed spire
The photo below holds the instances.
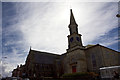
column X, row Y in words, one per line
column 72, row 19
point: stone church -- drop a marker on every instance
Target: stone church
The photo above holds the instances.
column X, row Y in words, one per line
column 78, row 58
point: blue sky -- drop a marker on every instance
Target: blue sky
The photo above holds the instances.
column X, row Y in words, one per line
column 44, row 27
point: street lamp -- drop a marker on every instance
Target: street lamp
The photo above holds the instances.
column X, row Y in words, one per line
column 118, row 15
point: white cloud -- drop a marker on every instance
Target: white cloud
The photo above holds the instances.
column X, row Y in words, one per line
column 99, row 20
column 11, row 61
column 45, row 25
column 109, row 41
column 5, row 69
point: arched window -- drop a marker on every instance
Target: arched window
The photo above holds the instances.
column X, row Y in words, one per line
column 93, row 60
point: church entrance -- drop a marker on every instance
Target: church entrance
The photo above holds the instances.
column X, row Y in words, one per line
column 73, row 69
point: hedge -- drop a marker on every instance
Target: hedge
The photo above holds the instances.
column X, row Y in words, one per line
column 79, row 74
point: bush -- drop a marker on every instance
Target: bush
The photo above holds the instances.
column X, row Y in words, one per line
column 93, row 74
column 74, row 75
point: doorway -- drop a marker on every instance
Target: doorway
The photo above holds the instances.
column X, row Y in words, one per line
column 73, row 69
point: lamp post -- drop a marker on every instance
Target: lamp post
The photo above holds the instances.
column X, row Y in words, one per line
column 118, row 15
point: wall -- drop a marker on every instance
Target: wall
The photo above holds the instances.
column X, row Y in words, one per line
column 104, row 57
column 96, row 51
column 110, row 57
column 75, row 58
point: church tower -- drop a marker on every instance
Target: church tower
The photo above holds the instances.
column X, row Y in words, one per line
column 75, row 59
column 74, row 39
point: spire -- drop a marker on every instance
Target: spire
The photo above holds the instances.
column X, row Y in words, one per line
column 73, row 25
column 74, row 39
column 72, row 19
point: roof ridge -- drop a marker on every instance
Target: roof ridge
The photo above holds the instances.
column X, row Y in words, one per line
column 45, row 52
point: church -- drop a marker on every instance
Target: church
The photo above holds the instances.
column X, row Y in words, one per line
column 78, row 58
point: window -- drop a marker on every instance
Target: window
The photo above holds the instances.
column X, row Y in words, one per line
column 93, row 61
column 77, row 38
column 71, row 39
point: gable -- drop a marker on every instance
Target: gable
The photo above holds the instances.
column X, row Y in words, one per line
column 41, row 57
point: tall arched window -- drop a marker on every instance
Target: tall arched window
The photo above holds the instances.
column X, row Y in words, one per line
column 93, row 61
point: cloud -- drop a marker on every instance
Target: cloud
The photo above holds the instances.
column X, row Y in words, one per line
column 6, row 70
column 42, row 28
column 98, row 21
column 11, row 61
column 34, row 33
column 109, row 40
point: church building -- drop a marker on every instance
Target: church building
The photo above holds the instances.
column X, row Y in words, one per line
column 78, row 58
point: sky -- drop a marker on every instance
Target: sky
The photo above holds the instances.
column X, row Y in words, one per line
column 44, row 27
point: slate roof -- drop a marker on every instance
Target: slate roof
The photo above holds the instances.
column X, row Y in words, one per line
column 43, row 57
column 92, row 46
